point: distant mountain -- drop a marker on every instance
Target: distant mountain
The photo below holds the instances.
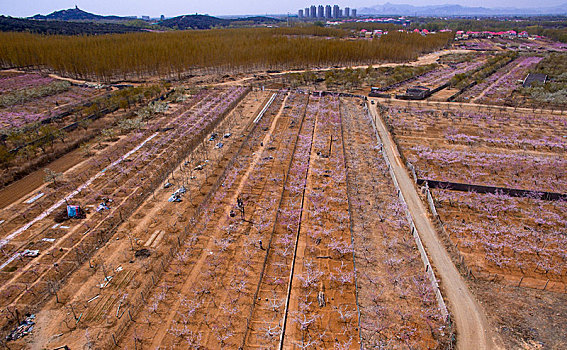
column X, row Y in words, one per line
column 194, row 22
column 10, row 24
column 208, row 22
column 77, row 14
column 256, row 20
column 458, row 10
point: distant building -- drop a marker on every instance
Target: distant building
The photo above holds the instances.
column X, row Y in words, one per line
column 418, row 92
column 328, row 11
column 162, row 17
column 146, row 18
column 336, row 11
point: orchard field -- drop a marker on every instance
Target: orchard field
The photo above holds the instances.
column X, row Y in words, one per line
column 318, row 254
column 516, row 238
column 505, row 243
column 43, row 119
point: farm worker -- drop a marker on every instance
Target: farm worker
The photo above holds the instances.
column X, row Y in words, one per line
column 240, row 205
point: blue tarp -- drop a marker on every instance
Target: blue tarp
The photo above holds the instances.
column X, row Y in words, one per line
column 73, row 210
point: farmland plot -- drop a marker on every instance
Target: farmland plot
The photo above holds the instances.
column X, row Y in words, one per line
column 282, row 273
column 126, row 175
column 497, row 88
column 442, row 75
column 197, row 290
column 148, row 242
column 484, row 148
column 322, row 308
column 511, row 249
column 397, row 306
column 31, row 98
column 518, row 240
column 288, row 233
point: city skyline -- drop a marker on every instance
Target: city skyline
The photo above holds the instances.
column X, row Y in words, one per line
column 326, row 11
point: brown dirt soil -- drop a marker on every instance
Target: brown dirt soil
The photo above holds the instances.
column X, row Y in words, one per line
column 443, row 95
column 526, row 318
column 514, row 263
column 314, row 256
column 383, row 244
column 212, row 234
column 33, row 181
column 429, row 127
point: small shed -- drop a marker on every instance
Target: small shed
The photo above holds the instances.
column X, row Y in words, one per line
column 418, row 91
column 534, row 78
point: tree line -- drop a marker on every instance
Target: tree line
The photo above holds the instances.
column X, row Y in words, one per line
column 138, row 55
column 551, row 27
column 11, row 24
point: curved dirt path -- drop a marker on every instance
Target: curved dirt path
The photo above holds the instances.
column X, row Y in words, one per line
column 473, row 329
column 71, row 80
column 421, row 60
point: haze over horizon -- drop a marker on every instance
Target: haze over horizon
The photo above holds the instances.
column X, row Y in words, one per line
column 171, row 8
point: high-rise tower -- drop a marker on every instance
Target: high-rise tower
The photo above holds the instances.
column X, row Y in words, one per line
column 328, row 11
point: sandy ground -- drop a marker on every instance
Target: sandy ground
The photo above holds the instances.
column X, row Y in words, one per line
column 33, row 181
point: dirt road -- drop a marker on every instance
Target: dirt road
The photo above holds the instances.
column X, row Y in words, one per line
column 461, row 105
column 473, row 329
column 421, row 61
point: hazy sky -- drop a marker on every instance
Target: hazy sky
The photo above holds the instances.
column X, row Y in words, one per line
column 24, row 8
